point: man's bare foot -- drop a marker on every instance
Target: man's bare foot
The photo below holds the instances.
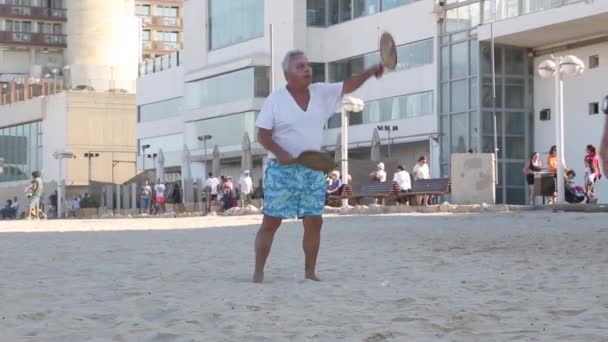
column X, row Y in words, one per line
column 312, row 277
column 258, row 278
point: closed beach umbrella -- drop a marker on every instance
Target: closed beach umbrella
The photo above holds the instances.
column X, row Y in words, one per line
column 375, row 146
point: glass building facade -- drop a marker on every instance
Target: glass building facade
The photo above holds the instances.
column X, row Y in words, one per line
column 470, row 109
column 21, row 149
column 168, row 143
column 392, row 108
column 325, row 13
column 160, row 110
column 233, row 86
column 234, row 21
column 409, row 56
column 228, row 130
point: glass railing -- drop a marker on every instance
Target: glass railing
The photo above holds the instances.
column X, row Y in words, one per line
column 159, row 64
column 506, row 9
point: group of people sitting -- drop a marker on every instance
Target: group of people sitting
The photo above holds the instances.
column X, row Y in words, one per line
column 573, row 193
column 11, row 209
column 402, row 177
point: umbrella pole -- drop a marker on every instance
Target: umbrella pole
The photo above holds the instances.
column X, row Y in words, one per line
column 344, row 152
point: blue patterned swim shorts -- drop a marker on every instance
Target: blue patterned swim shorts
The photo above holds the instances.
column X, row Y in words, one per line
column 293, row 191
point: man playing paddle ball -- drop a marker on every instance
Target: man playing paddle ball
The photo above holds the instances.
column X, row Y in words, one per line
column 291, row 121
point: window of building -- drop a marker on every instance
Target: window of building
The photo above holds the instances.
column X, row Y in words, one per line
column 19, row 26
column 166, row 36
column 21, row 149
column 168, row 143
column 48, row 28
column 236, row 123
column 234, row 86
column 363, row 8
column 594, row 108
column 145, row 35
column 318, row 72
column 331, row 12
column 409, row 56
column 235, row 21
column 392, row 108
column 52, row 3
column 316, row 12
column 166, row 11
column 594, row 61
column 160, row 110
column 390, row 4
column 143, row 10
column 19, row 2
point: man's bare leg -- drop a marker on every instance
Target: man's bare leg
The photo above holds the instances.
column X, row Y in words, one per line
column 310, row 244
column 263, row 242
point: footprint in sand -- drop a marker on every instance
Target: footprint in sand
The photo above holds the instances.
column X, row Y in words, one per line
column 377, row 337
column 567, row 313
column 163, row 337
column 404, row 302
column 404, row 319
column 35, row 316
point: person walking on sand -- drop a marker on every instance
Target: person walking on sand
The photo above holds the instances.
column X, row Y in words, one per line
column 36, row 193
column 291, row 121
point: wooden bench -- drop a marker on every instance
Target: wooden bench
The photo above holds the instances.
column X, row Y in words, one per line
column 346, row 192
column 430, row 187
column 378, row 190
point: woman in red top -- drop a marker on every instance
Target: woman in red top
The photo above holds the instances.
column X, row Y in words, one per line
column 592, row 170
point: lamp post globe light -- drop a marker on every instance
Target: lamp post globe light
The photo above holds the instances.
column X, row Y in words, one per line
column 204, row 139
column 61, row 184
column 349, row 104
column 556, row 67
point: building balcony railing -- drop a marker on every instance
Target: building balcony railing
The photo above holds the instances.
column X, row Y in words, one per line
column 161, row 46
column 32, row 12
column 510, row 9
column 33, row 39
column 156, row 20
column 159, row 64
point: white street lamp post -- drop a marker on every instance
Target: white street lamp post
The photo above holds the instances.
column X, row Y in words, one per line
column 60, row 156
column 349, row 104
column 555, row 67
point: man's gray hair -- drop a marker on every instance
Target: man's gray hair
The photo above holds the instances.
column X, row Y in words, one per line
column 289, row 56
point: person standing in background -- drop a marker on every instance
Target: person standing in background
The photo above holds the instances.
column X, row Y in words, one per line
column 422, row 171
column 246, row 186
column 144, row 195
column 36, row 191
column 532, row 165
column 160, row 191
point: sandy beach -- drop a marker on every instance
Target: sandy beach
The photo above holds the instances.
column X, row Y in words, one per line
column 529, row 276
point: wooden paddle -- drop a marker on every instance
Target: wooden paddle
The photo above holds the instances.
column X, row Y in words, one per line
column 388, row 51
column 316, row 160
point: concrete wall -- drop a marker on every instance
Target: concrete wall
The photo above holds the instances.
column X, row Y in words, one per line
column 581, row 128
column 473, row 178
column 105, row 123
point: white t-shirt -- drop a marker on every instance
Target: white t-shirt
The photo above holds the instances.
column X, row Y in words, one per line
column 213, row 184
column 294, row 129
column 403, row 179
column 246, row 185
column 422, row 172
column 381, row 175
column 160, row 190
